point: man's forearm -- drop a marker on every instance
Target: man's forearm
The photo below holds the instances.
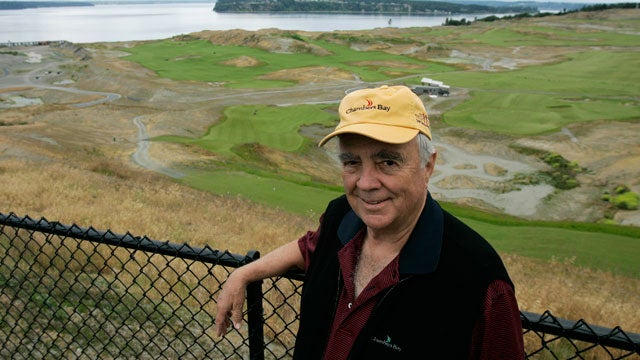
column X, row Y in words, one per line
column 274, row 263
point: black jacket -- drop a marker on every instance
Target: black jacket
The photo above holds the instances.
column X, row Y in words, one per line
column 445, row 268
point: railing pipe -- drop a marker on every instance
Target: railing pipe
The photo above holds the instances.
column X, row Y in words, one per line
column 127, row 240
column 580, row 330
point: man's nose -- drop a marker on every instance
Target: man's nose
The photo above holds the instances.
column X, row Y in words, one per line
column 368, row 178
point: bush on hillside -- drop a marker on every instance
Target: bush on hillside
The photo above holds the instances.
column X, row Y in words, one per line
column 622, row 198
column 563, row 175
column 626, row 201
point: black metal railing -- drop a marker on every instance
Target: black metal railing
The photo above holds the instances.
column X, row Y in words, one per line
column 80, row 293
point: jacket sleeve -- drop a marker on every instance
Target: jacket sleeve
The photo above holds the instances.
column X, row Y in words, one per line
column 498, row 332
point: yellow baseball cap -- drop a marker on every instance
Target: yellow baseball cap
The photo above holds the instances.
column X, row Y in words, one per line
column 391, row 114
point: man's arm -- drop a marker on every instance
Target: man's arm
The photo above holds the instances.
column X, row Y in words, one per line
column 232, row 296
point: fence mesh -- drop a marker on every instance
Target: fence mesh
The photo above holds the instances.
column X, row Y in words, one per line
column 79, row 293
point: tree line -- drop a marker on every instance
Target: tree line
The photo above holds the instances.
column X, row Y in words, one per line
column 366, row 6
column 491, row 18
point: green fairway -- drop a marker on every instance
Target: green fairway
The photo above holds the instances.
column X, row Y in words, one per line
column 583, row 74
column 588, row 86
column 202, row 61
column 272, row 126
column 531, row 114
column 602, row 251
column 244, row 174
column 279, row 193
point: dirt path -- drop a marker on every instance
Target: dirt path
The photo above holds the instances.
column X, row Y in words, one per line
column 141, row 155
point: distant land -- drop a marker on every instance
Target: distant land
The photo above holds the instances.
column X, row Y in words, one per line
column 18, row 5
column 412, row 7
column 541, row 5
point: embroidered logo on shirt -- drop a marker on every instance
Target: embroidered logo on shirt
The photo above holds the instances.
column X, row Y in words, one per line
column 387, row 343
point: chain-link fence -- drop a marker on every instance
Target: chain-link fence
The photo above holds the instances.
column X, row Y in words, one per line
column 79, row 293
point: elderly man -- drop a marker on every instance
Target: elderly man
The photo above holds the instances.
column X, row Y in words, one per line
column 389, row 274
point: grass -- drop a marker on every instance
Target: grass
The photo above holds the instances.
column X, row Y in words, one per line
column 243, row 172
column 582, row 74
column 551, row 36
column 533, row 114
column 586, row 87
column 275, row 127
column 203, row 61
column 278, row 193
column 582, row 248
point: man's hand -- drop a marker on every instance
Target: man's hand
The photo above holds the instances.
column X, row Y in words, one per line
column 230, row 303
column 233, row 294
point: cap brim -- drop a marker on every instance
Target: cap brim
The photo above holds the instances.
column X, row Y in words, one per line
column 383, row 133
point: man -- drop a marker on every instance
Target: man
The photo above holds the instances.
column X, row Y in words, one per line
column 388, row 273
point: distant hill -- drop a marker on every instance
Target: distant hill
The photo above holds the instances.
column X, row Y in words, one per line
column 412, row 7
column 19, row 5
column 546, row 5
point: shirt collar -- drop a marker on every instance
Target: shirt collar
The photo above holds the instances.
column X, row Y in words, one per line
column 421, row 253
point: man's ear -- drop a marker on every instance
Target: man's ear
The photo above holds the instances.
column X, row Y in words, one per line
column 431, row 164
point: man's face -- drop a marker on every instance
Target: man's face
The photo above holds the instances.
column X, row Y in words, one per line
column 384, row 183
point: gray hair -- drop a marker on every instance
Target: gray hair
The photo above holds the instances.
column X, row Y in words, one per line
column 425, row 148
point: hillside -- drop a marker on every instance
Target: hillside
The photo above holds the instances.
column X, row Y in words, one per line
column 369, row 7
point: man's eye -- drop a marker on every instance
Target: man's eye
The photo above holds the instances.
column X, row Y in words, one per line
column 390, row 163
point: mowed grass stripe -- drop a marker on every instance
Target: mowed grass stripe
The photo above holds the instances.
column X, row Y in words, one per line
column 279, row 193
column 617, row 254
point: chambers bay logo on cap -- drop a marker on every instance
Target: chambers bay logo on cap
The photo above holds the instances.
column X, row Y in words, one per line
column 391, row 114
column 368, row 106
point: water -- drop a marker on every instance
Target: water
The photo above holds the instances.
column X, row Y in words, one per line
column 125, row 22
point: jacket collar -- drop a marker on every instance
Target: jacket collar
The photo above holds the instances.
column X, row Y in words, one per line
column 421, row 253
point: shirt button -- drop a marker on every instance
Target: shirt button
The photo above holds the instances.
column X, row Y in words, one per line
column 349, row 305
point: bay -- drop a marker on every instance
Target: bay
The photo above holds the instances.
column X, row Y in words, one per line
column 152, row 21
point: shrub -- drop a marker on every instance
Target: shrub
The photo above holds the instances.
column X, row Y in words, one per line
column 571, row 183
column 626, row 201
column 621, row 189
column 564, row 174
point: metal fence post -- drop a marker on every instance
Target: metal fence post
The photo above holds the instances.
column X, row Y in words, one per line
column 255, row 315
